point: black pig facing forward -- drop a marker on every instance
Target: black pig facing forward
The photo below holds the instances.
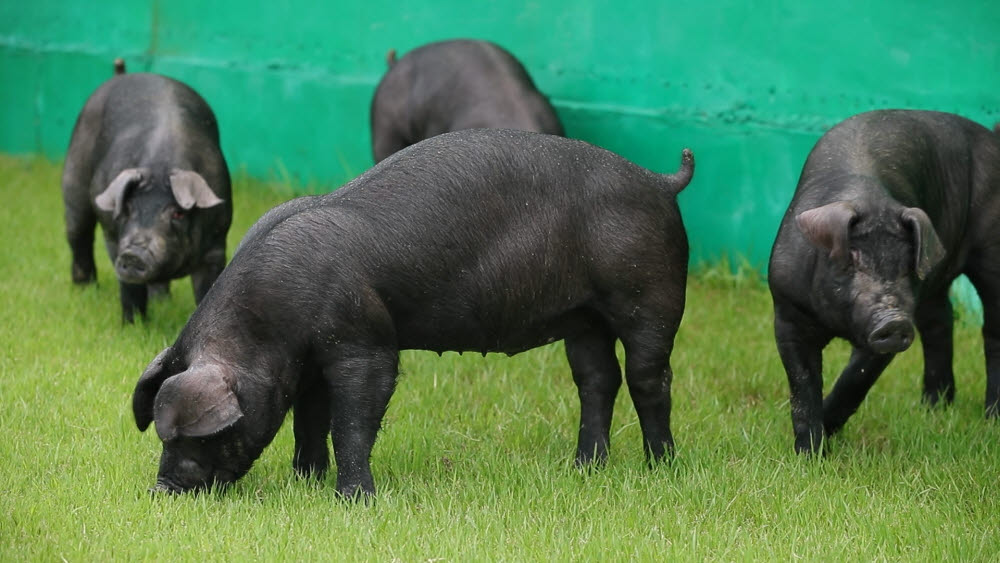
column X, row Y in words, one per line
column 480, row 240
column 144, row 161
column 453, row 85
column 891, row 207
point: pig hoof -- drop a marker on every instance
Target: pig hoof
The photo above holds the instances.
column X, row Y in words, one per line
column 310, row 470
column 159, row 290
column 938, row 398
column 813, row 449
column 811, row 452
column 356, row 494
column 589, row 463
column 654, row 462
column 162, row 488
column 82, row 275
column 662, row 452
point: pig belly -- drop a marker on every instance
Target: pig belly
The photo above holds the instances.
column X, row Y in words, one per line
column 469, row 331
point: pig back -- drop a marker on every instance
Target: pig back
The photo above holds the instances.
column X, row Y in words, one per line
column 145, row 120
column 487, row 240
column 459, row 84
column 921, row 159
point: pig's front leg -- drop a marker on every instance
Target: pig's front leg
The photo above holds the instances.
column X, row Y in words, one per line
column 361, row 380
column 862, row 370
column 158, row 290
column 935, row 322
column 598, row 377
column 134, row 297
column 203, row 278
column 802, row 357
column 311, row 425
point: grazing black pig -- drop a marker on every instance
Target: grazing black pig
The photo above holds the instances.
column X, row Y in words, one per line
column 890, row 208
column 453, row 85
column 145, row 162
column 480, row 240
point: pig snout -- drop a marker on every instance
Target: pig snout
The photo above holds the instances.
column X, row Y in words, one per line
column 186, row 475
column 166, row 486
column 891, row 334
column 883, row 313
column 162, row 487
column 133, row 265
column 139, row 259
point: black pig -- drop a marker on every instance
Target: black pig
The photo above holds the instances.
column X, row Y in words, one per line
column 891, row 207
column 454, row 85
column 145, row 162
column 480, row 240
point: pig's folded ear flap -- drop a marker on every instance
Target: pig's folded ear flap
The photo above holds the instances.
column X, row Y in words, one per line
column 928, row 250
column 191, row 190
column 829, row 228
column 113, row 197
column 147, row 387
column 196, row 403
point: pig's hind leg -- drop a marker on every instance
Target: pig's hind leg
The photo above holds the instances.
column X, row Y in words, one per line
column 985, row 276
column 80, row 224
column 648, row 342
column 598, row 377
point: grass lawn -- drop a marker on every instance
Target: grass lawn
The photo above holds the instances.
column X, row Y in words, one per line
column 474, row 462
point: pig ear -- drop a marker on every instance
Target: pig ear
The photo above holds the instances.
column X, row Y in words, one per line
column 197, row 403
column 829, row 227
column 191, row 190
column 147, row 387
column 113, row 197
column 927, row 246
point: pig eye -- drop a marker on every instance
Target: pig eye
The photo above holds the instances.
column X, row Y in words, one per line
column 178, row 214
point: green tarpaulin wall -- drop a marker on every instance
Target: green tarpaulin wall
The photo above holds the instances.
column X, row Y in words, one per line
column 749, row 86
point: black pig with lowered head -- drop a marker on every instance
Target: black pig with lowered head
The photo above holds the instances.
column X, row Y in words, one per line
column 144, row 161
column 479, row 240
column 891, row 207
column 453, row 85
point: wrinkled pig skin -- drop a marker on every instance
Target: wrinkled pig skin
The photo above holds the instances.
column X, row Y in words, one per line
column 144, row 162
column 454, row 85
column 890, row 208
column 481, row 240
